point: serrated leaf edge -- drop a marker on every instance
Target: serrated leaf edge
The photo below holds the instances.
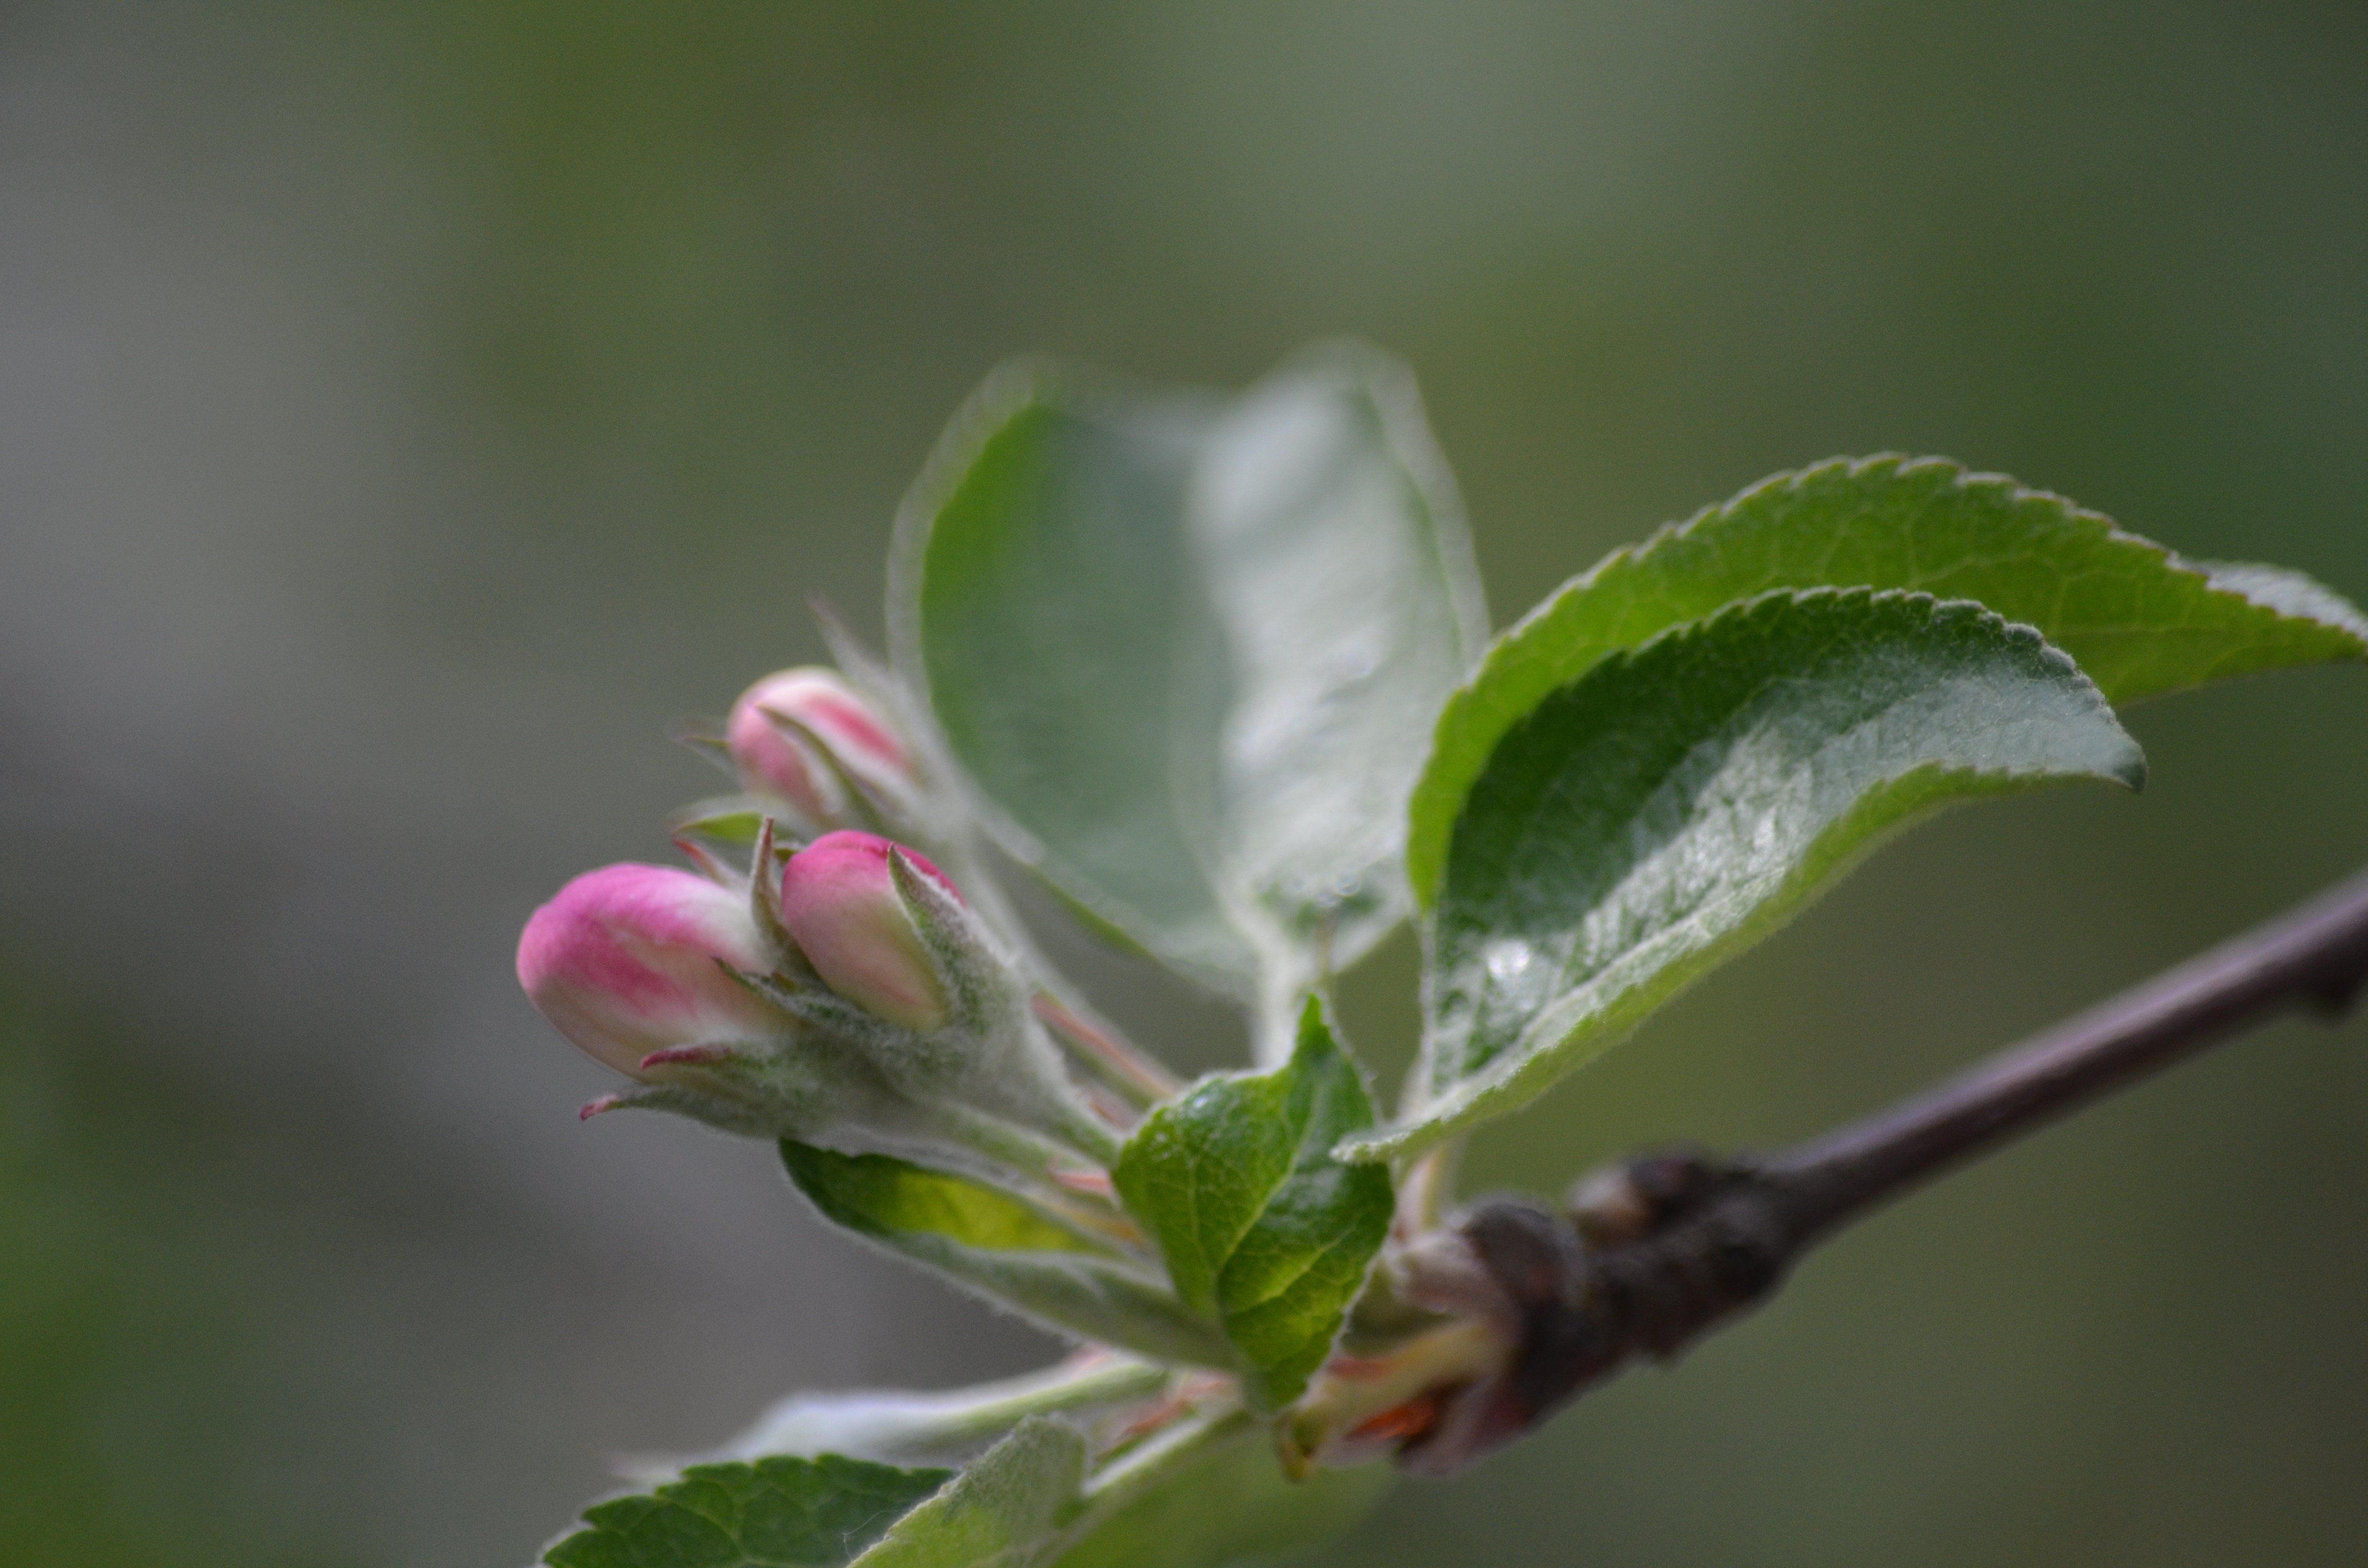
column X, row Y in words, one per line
column 1426, row 853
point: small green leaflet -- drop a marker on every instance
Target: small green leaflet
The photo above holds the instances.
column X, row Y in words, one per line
column 1191, row 649
column 994, row 1244
column 774, row 1513
column 1262, row 1227
column 1675, row 803
column 1001, row 1512
column 2139, row 620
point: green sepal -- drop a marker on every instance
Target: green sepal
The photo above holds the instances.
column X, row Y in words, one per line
column 727, row 824
column 704, row 737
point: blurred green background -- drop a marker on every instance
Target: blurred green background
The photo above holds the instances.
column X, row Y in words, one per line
column 410, row 409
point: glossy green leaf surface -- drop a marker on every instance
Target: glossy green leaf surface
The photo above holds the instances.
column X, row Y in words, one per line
column 774, row 1513
column 1263, row 1228
column 1677, row 801
column 1233, row 1508
column 1191, row 649
column 2139, row 620
column 996, row 1245
column 1002, row 1511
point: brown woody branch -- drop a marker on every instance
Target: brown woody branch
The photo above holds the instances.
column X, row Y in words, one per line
column 1655, row 1250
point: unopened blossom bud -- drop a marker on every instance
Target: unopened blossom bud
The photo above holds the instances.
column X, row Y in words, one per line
column 623, row 961
column 924, row 993
column 841, row 905
column 780, row 723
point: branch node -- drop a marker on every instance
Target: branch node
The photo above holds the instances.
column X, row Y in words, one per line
column 1653, row 1251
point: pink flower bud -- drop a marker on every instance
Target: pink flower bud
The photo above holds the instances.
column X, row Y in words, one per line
column 623, row 962
column 785, row 765
column 840, row 903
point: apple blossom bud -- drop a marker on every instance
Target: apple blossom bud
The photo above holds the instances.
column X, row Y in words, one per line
column 777, row 724
column 623, row 961
column 841, row 905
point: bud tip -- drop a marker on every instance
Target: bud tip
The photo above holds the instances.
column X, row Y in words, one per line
column 624, row 961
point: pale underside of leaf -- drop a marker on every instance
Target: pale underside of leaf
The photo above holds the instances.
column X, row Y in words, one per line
column 1676, row 803
column 942, row 1427
column 1188, row 651
column 1336, row 563
column 2139, row 620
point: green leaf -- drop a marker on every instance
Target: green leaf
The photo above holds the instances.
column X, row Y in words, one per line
column 775, row 1513
column 1676, row 803
column 2138, row 620
column 1233, row 1508
column 1191, row 650
column 1000, row 1512
column 994, row 1244
column 1262, row 1227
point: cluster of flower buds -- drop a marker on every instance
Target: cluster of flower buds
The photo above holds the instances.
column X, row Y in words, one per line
column 847, row 994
